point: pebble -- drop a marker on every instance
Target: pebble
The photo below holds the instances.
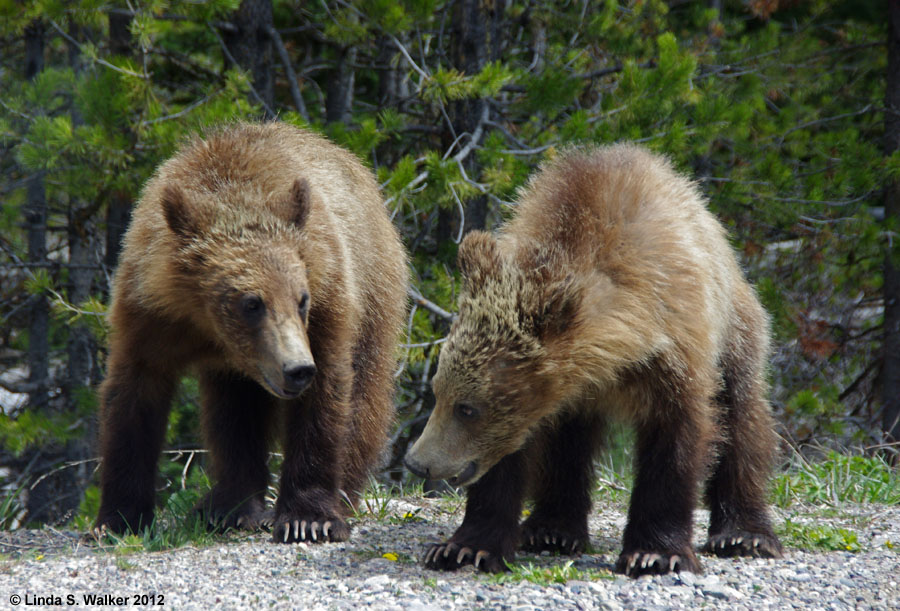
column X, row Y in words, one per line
column 244, row 571
column 721, row 591
column 687, row 578
column 376, row 582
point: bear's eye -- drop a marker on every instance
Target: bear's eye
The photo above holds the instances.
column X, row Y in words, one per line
column 252, row 308
column 303, row 305
column 466, row 412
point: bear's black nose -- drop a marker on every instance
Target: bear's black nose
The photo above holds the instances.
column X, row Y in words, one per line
column 417, row 469
column 298, row 377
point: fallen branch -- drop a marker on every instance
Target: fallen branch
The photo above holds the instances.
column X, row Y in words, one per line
column 419, row 300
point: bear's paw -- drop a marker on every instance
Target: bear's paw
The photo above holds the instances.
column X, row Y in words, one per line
column 450, row 556
column 743, row 543
column 643, row 562
column 309, row 529
column 221, row 514
column 553, row 538
column 122, row 520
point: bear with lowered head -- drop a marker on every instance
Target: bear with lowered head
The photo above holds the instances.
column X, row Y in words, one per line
column 612, row 294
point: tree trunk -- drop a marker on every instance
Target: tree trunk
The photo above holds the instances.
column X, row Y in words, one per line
column 36, row 222
column 476, row 33
column 339, row 96
column 59, row 491
column 387, row 82
column 118, row 209
column 80, row 348
column 251, row 47
column 890, row 373
column 120, row 42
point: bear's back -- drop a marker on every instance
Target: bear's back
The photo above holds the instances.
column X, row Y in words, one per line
column 623, row 213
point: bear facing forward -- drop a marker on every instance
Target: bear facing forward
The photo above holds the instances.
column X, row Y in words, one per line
column 262, row 258
column 611, row 294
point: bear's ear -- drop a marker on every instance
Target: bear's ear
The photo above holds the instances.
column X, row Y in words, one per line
column 300, row 202
column 559, row 313
column 478, row 256
column 176, row 213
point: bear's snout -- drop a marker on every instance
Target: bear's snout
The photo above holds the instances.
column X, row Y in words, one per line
column 297, row 377
column 461, row 478
column 416, row 469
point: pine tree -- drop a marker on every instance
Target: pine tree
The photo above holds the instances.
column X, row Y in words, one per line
column 777, row 110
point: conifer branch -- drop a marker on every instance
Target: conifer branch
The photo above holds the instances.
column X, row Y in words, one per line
column 231, row 59
column 93, row 57
column 289, row 72
column 178, row 114
column 409, row 58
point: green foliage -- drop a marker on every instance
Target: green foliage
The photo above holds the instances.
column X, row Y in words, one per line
column 615, row 465
column 545, row 575
column 779, row 119
column 10, row 507
column 88, row 509
column 31, row 428
column 837, row 479
column 818, row 537
column 175, row 524
column 92, row 312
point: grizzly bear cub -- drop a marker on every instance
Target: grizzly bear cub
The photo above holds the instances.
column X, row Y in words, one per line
column 612, row 294
column 261, row 258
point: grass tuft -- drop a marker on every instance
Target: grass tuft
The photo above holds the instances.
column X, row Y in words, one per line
column 818, row 537
column 549, row 574
column 839, row 478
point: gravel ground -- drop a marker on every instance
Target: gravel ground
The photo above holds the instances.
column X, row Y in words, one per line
column 379, row 568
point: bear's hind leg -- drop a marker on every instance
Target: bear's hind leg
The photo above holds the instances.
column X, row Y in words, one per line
column 562, row 457
column 736, row 491
column 237, row 419
column 371, row 406
column 489, row 533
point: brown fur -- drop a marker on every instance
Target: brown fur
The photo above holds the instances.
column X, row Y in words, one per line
column 258, row 256
column 612, row 293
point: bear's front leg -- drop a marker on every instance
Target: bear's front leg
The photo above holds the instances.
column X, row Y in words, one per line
column 309, row 504
column 670, row 455
column 562, row 487
column 489, row 533
column 134, row 411
column 237, row 417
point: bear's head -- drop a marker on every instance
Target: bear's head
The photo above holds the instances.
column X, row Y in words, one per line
column 496, row 381
column 245, row 271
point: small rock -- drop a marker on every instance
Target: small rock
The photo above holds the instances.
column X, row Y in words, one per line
column 722, row 592
column 377, row 581
column 418, row 605
column 578, row 587
column 682, row 591
column 800, row 577
column 687, row 578
column 708, row 581
column 597, row 587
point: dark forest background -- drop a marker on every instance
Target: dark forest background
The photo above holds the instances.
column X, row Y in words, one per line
column 784, row 111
